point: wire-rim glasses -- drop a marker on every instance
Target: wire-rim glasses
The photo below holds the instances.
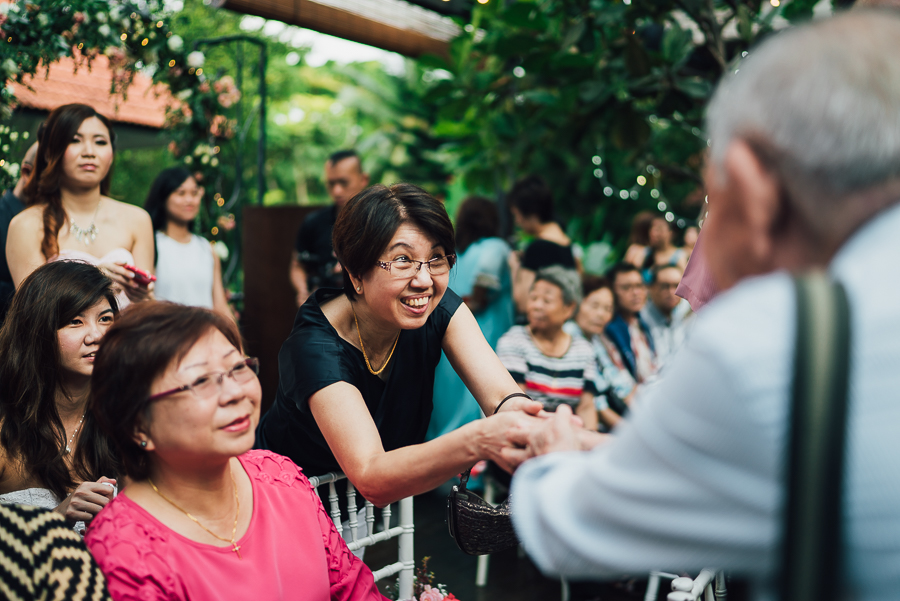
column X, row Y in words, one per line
column 407, row 268
column 209, row 385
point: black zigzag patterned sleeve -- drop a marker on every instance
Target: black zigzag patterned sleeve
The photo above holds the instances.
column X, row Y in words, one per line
column 45, row 559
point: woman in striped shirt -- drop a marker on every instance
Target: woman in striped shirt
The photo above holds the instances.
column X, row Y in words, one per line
column 550, row 365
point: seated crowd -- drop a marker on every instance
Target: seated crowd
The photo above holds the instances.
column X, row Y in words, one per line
column 142, row 425
column 136, row 421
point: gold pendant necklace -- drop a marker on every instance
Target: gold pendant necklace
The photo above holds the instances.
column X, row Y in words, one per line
column 363, row 348
column 234, row 546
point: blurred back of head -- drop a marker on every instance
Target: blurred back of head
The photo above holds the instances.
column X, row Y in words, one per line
column 820, row 104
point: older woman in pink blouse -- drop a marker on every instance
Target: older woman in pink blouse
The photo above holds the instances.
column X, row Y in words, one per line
column 203, row 516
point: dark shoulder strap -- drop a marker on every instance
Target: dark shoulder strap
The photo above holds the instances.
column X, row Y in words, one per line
column 813, row 537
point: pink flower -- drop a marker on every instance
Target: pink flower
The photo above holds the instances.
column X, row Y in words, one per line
column 204, row 87
column 230, row 98
column 78, row 17
column 221, row 127
column 224, row 84
column 431, row 594
column 226, row 222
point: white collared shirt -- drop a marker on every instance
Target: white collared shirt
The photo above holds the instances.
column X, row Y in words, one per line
column 694, row 478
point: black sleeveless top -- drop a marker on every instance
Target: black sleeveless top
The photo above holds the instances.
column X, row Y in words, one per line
column 315, row 356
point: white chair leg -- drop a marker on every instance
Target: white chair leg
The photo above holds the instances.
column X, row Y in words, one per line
column 406, row 551
column 565, row 593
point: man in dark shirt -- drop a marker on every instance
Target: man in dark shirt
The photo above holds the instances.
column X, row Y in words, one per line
column 10, row 206
column 313, row 264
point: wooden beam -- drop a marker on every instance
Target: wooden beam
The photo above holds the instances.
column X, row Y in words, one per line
column 340, row 23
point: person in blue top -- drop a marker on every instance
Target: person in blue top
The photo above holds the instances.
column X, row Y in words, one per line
column 482, row 280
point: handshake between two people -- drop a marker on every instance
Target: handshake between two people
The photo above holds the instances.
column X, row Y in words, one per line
column 524, row 430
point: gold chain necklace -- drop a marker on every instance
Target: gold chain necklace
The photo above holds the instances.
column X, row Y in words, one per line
column 234, row 546
column 365, row 356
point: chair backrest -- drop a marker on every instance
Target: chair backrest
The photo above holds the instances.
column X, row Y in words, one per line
column 405, row 565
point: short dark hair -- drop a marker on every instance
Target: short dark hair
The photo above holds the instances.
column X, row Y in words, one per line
column 477, row 218
column 336, row 157
column 592, row 283
column 656, row 269
column 162, row 187
column 367, row 223
column 532, row 196
column 640, row 228
column 136, row 350
column 620, row 268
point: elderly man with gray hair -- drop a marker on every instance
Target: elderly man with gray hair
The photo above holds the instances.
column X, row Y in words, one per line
column 804, row 174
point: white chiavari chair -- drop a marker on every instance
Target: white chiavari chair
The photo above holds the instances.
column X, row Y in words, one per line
column 405, row 564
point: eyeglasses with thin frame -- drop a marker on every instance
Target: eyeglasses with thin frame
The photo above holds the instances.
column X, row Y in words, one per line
column 209, row 385
column 406, row 268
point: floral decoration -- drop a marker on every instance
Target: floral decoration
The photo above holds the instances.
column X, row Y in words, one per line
column 133, row 36
column 424, row 587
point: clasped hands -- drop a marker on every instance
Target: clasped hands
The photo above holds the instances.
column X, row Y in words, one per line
column 524, row 430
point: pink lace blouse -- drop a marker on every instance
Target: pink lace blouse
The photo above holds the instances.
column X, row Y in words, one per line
column 290, row 551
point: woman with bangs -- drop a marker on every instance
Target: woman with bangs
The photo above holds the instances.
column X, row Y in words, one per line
column 69, row 215
column 357, row 372
column 51, row 453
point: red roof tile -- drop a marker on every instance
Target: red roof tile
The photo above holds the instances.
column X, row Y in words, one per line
column 91, row 87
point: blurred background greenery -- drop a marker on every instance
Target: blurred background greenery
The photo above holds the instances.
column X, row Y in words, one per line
column 603, row 98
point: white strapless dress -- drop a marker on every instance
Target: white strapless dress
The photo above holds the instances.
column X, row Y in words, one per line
column 116, row 255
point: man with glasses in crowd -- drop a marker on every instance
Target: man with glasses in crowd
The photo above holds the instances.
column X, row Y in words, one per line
column 666, row 314
column 313, row 264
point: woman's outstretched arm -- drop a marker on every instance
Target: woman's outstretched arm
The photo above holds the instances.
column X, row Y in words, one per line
column 386, row 476
column 479, row 367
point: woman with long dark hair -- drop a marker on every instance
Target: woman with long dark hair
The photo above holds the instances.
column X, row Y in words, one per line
column 51, row 453
column 69, row 215
column 188, row 272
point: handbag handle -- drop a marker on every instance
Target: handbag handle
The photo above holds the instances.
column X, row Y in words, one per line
column 812, row 544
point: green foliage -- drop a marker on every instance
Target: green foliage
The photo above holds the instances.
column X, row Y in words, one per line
column 603, row 98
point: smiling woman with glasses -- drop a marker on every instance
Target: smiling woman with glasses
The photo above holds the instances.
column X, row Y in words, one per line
column 357, row 372
column 203, row 516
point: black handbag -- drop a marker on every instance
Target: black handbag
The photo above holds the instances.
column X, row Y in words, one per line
column 478, row 527
column 811, row 562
